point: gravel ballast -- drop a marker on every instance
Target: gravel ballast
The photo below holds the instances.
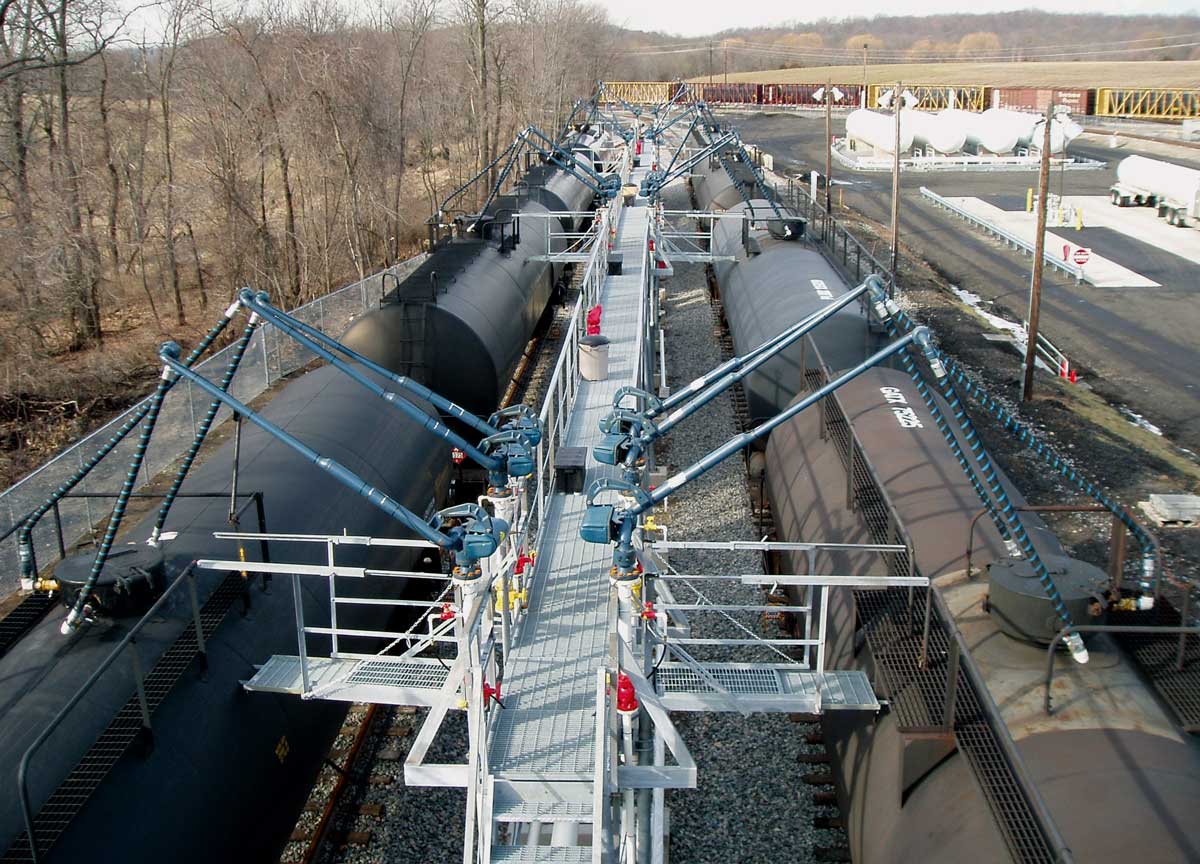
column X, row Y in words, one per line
column 751, row 804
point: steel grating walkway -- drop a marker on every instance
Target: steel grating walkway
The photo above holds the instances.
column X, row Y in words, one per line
column 547, row 729
column 1156, row 655
column 22, row 617
column 74, row 791
column 918, row 697
column 776, row 688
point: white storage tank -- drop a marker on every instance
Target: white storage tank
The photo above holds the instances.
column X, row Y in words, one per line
column 935, row 132
column 878, row 130
column 1063, row 130
column 991, row 132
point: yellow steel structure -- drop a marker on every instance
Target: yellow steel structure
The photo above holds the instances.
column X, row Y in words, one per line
column 935, row 97
column 639, row 92
column 1111, row 101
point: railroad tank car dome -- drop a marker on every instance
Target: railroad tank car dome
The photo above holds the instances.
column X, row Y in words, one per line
column 209, row 735
column 557, row 191
column 766, row 293
column 128, row 584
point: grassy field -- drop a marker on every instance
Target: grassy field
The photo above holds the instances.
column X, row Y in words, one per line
column 1180, row 73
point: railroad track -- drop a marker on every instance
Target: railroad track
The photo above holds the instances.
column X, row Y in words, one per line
column 760, row 506
column 817, row 761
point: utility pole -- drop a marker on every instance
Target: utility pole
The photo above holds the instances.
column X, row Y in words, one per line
column 897, row 105
column 829, row 146
column 1039, row 253
column 710, row 66
column 863, row 100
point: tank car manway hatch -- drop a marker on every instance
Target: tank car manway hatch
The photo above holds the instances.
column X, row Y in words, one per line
column 570, row 656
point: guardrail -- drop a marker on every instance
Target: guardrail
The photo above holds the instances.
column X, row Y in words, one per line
column 1050, row 354
column 845, row 251
column 1008, row 237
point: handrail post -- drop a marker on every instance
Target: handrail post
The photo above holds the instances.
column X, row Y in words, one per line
column 1116, row 554
column 58, row 531
column 298, row 601
column 139, row 677
column 200, row 648
column 951, row 702
column 263, row 545
column 333, row 636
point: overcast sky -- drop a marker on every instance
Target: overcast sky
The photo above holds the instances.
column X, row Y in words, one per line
column 701, row 17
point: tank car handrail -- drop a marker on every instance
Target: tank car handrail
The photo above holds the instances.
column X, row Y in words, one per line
column 991, row 712
column 130, row 638
column 1182, row 630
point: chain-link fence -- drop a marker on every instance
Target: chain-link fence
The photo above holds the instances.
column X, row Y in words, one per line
column 268, row 358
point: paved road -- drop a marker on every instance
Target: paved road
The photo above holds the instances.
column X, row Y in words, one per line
column 1140, row 346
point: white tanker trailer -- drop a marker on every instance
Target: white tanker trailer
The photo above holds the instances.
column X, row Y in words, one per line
column 1173, row 189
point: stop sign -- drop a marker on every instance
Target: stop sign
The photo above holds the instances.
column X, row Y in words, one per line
column 1082, row 256
column 457, row 456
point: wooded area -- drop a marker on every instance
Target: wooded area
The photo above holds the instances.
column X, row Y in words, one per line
column 152, row 165
column 1020, row 35
column 145, row 177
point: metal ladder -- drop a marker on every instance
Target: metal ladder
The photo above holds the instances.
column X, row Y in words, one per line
column 414, row 320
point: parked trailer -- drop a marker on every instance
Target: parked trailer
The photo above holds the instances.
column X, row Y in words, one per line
column 1173, row 189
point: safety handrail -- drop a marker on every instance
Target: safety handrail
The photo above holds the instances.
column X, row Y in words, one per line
column 599, row 771
column 187, row 576
column 1180, row 629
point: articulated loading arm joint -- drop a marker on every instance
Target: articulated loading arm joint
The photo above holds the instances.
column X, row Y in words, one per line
column 629, row 433
column 510, row 435
column 518, row 418
column 653, row 404
column 608, row 523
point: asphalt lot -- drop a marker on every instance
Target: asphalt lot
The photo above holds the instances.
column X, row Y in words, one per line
column 1139, row 347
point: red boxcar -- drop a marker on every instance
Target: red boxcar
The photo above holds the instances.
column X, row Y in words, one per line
column 1035, row 99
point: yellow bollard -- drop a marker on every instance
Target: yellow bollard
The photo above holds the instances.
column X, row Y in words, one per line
column 1078, row 218
column 1029, row 199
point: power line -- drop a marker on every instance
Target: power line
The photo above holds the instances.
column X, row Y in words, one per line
column 851, row 55
column 1028, row 53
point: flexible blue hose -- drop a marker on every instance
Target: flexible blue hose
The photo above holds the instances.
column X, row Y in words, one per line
column 25, row 534
column 114, row 521
column 239, row 349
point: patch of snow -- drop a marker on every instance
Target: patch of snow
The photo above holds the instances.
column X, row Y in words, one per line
column 1138, row 420
column 1018, row 332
